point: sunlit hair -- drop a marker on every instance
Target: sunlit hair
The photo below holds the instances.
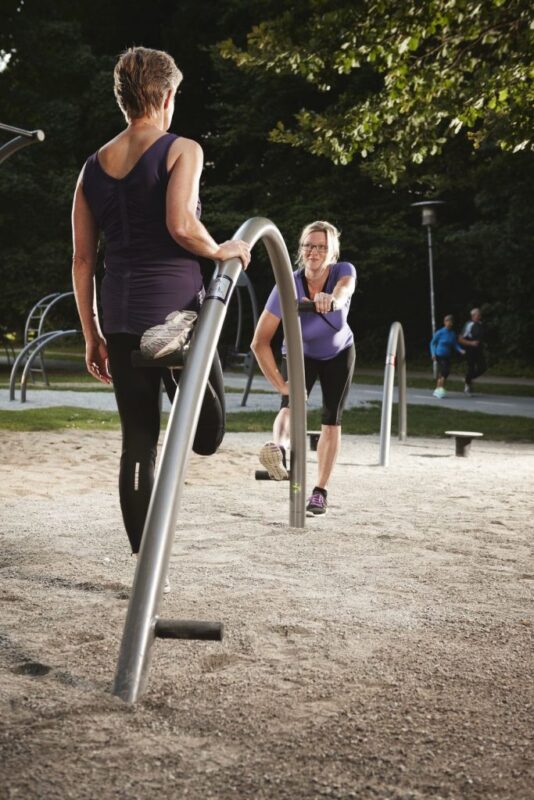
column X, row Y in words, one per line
column 332, row 240
column 142, row 78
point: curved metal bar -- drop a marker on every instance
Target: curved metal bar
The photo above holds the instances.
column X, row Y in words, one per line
column 252, row 360
column 40, row 346
column 21, row 356
column 139, row 630
column 50, row 306
column 22, row 139
column 46, row 304
column 395, row 356
column 39, row 303
column 239, row 316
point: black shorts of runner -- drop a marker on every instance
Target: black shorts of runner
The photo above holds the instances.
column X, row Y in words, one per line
column 444, row 366
column 335, row 377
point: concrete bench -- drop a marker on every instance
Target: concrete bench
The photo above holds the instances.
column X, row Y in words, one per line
column 463, row 440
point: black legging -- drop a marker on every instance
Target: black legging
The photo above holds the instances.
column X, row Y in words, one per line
column 476, row 363
column 137, row 391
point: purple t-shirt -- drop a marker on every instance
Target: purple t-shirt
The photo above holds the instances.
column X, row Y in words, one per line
column 148, row 274
column 323, row 335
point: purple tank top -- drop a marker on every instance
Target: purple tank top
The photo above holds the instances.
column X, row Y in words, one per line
column 147, row 274
column 324, row 336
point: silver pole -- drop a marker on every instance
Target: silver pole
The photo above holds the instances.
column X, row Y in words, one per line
column 432, row 299
column 395, row 356
column 141, row 622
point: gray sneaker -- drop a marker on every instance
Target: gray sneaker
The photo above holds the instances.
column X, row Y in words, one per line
column 272, row 458
column 172, row 336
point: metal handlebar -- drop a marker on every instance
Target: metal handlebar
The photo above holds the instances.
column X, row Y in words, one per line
column 22, row 139
column 309, row 307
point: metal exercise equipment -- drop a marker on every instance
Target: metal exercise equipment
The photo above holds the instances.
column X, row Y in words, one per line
column 395, row 356
column 33, row 329
column 26, row 357
column 247, row 360
column 143, row 624
column 462, row 441
column 35, row 342
column 22, row 139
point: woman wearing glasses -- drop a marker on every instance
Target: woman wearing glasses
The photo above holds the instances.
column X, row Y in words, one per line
column 329, row 352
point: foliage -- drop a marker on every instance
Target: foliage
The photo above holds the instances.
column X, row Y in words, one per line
column 401, row 78
column 59, row 79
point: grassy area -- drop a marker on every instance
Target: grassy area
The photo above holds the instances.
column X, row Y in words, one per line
column 422, row 421
column 82, row 381
column 453, row 384
column 58, row 418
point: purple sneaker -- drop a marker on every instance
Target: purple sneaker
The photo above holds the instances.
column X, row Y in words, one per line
column 316, row 504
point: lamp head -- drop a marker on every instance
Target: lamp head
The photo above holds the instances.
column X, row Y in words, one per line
column 428, row 210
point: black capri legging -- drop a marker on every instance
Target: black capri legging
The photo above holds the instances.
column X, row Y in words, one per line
column 335, row 377
column 137, row 393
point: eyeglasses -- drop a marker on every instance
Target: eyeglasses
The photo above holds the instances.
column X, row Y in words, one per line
column 309, row 248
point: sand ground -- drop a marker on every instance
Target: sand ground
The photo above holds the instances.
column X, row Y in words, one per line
column 383, row 652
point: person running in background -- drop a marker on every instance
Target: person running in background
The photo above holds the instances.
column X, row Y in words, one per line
column 329, row 352
column 442, row 346
column 472, row 338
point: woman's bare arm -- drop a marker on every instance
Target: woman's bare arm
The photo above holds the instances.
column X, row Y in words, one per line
column 182, row 199
column 85, row 246
column 343, row 290
column 261, row 347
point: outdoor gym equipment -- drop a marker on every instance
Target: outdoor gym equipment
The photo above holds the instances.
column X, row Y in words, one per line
column 462, row 440
column 22, row 139
column 246, row 360
column 35, row 342
column 143, row 624
column 395, row 356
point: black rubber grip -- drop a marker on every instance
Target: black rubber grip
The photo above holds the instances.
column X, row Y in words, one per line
column 309, row 307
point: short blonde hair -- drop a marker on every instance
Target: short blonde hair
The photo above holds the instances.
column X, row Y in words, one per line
column 142, row 78
column 332, row 239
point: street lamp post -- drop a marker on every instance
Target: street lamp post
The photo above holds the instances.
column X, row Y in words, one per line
column 428, row 209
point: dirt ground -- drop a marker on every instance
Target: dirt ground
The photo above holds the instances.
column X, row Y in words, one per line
column 383, row 652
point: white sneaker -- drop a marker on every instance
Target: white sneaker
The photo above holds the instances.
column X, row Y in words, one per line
column 166, row 585
column 272, row 458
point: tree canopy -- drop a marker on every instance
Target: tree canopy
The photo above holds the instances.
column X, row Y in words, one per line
column 59, row 78
column 399, row 80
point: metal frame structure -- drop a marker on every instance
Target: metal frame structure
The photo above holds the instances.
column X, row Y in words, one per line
column 39, row 344
column 395, row 356
column 249, row 366
column 38, row 314
column 22, row 139
column 143, row 624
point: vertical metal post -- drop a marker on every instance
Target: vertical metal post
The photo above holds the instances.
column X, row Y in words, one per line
column 140, row 627
column 244, row 280
column 395, row 356
column 432, row 298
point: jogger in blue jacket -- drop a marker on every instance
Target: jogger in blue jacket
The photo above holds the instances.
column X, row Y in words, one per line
column 443, row 343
